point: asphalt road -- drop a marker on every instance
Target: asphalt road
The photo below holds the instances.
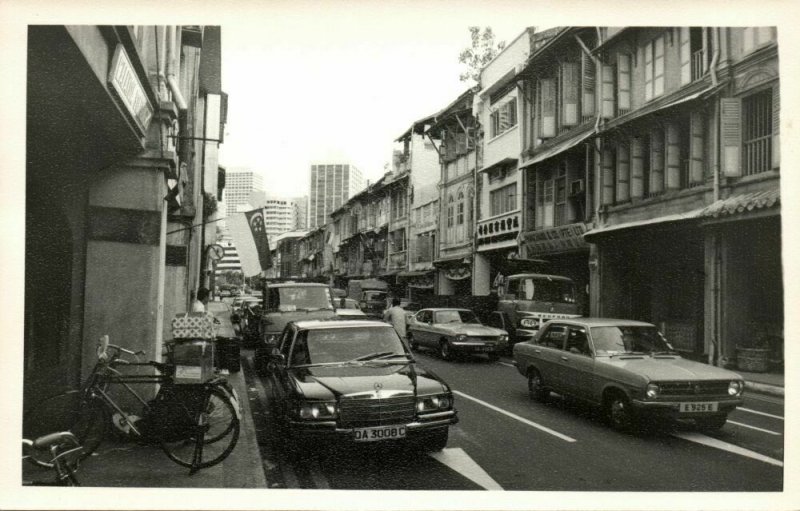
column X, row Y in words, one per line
column 505, row 441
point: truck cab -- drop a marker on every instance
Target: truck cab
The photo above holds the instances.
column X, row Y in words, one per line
column 527, row 300
column 370, row 294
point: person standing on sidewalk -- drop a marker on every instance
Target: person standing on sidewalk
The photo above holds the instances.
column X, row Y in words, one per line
column 396, row 315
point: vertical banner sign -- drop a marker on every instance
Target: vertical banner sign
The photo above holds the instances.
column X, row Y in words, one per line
column 250, row 236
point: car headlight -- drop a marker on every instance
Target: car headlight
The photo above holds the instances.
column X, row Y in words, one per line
column 460, row 337
column 317, row 410
column 529, row 323
column 652, row 390
column 503, row 338
column 735, row 388
column 434, row 403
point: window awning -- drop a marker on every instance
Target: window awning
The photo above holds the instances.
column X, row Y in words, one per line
column 557, row 149
column 661, row 220
column 507, row 161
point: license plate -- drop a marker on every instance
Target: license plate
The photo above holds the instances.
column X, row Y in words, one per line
column 711, row 406
column 485, row 348
column 379, row 433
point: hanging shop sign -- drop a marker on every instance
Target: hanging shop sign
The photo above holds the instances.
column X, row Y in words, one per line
column 124, row 81
column 558, row 239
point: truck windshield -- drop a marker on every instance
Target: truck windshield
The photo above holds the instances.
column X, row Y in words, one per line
column 617, row 340
column 542, row 290
column 288, row 299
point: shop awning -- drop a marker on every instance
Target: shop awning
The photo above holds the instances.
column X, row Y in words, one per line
column 744, row 203
column 661, row 220
column 557, row 149
column 417, row 273
column 450, row 261
column 507, row 161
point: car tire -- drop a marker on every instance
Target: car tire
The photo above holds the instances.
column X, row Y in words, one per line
column 536, row 388
column 445, row 351
column 437, row 441
column 711, row 423
column 619, row 413
column 412, row 344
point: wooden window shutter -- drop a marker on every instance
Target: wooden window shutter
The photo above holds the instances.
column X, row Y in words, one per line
column 587, row 85
column 623, row 173
column 548, row 88
column 637, row 168
column 570, row 90
column 697, row 149
column 607, row 167
column 776, row 126
column 624, row 81
column 673, row 157
column 607, row 92
column 731, row 114
column 686, row 56
column 511, row 108
column 648, row 71
column 656, row 161
column 658, row 67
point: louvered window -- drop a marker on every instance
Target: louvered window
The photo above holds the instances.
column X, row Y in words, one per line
column 654, row 68
column 623, row 83
column 570, row 74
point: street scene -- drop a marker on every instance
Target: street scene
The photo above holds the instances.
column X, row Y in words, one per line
column 558, row 268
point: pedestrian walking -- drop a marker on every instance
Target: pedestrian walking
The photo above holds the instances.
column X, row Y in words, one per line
column 396, row 315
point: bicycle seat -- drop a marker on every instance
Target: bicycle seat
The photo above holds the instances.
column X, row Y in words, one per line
column 62, row 437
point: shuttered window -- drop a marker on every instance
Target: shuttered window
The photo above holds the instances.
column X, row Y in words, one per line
column 637, row 167
column 623, row 83
column 623, row 173
column 673, row 157
column 686, row 55
column 460, row 215
column 503, row 199
column 570, row 84
column 503, row 118
column 654, row 68
column 587, row 86
column 731, row 115
column 697, row 148
column 608, row 107
column 549, row 203
column 547, row 91
column 656, row 181
column 607, row 170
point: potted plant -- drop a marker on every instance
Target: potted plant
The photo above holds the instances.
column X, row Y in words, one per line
column 754, row 353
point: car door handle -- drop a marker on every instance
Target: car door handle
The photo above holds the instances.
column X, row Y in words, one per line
column 565, row 359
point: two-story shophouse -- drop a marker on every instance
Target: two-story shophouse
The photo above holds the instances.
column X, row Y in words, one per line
column 459, row 155
column 117, row 118
column 688, row 203
column 559, row 116
column 420, row 158
column 312, row 255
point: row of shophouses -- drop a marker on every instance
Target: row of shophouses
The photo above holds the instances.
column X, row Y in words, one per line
column 641, row 162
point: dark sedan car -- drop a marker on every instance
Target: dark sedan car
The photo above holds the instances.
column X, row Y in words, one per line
column 355, row 381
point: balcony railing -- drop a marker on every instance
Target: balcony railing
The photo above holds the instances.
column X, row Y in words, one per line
column 757, row 155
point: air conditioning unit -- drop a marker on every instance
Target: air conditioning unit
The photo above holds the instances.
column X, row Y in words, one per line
column 576, row 187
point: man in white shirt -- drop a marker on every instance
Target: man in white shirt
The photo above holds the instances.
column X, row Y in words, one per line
column 396, row 315
column 199, row 304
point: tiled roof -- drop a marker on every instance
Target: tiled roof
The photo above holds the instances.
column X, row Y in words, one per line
column 743, row 203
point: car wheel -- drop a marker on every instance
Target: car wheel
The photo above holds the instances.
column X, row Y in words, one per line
column 412, row 344
column 618, row 410
column 437, row 441
column 445, row 351
column 536, row 388
column 711, row 423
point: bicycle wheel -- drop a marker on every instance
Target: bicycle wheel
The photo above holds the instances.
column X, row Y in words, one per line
column 214, row 435
column 87, row 419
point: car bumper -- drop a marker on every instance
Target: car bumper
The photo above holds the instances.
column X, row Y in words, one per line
column 328, row 430
column 671, row 409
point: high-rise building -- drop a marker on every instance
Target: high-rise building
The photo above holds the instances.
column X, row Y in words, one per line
column 331, row 185
column 239, row 184
column 302, row 213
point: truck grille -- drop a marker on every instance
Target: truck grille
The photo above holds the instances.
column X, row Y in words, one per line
column 694, row 388
column 365, row 412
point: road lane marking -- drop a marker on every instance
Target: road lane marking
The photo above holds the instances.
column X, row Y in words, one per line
column 760, row 413
column 753, row 427
column 725, row 446
column 517, row 417
column 461, row 462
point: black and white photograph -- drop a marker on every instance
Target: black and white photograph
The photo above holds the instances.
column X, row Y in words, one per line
column 401, row 255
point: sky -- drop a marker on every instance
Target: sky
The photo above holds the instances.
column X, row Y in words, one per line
column 319, row 82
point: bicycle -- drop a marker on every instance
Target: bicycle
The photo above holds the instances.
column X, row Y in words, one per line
column 196, row 425
column 63, row 451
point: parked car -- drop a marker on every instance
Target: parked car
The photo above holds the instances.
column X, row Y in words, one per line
column 629, row 369
column 451, row 331
column 228, row 341
column 354, row 381
column 411, row 308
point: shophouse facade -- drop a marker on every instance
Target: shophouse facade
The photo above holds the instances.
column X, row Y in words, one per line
column 687, row 186
column 117, row 118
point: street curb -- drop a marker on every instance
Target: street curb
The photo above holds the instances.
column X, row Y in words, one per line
column 763, row 388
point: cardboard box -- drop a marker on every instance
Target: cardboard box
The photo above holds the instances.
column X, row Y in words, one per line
column 194, row 325
column 194, row 361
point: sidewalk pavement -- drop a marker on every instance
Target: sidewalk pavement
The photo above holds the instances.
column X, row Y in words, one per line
column 118, row 464
column 763, row 383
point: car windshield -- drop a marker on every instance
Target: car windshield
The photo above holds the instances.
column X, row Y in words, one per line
column 374, row 295
column 542, row 289
column 617, row 340
column 307, row 298
column 332, row 345
column 456, row 316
